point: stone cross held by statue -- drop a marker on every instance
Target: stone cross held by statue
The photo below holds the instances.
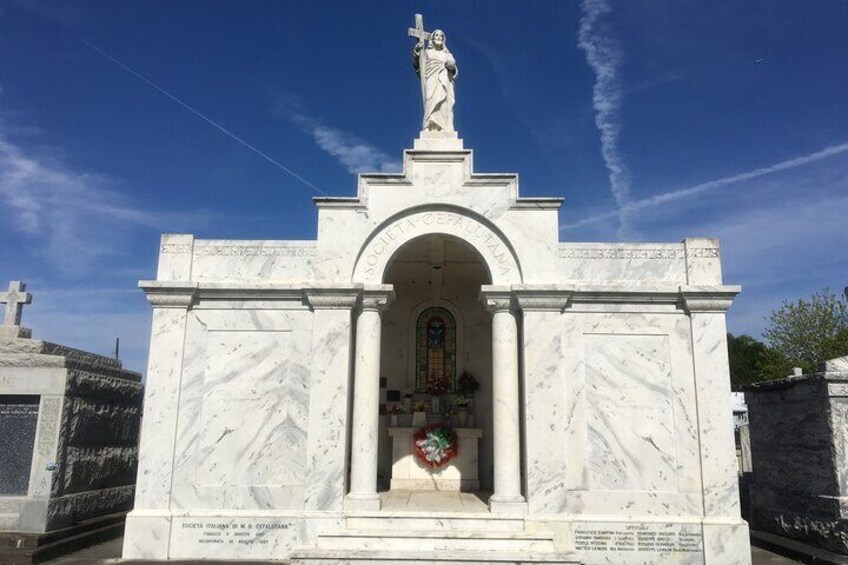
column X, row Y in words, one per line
column 14, row 300
column 418, row 32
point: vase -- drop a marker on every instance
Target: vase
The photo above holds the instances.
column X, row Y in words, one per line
column 393, row 420
column 462, row 418
column 435, row 404
column 407, row 405
column 419, row 419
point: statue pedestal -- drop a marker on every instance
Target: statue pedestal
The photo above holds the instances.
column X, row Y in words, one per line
column 461, row 472
column 438, row 141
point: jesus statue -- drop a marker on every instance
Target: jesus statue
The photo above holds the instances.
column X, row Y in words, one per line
column 437, row 69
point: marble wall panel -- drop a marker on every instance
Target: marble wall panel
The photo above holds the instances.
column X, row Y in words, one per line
column 718, row 457
column 534, row 234
column 631, row 439
column 614, row 264
column 147, row 535
column 221, row 260
column 175, row 253
column 242, row 434
column 329, row 390
column 631, row 423
column 546, row 422
column 703, row 261
column 161, row 406
column 726, row 544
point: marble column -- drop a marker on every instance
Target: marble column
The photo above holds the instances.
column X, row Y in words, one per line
column 366, row 401
column 329, row 390
column 506, row 427
column 149, row 522
column 725, row 534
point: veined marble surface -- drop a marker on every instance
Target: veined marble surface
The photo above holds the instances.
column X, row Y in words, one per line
column 257, row 368
column 631, row 438
column 242, row 433
column 626, row 263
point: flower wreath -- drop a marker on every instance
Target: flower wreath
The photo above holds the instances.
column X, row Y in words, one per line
column 435, row 445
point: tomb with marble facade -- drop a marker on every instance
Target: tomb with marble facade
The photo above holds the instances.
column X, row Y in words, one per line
column 289, row 410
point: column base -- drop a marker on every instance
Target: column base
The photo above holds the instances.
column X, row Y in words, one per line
column 512, row 505
column 359, row 502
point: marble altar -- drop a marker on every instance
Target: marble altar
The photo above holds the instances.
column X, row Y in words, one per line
column 603, row 398
column 461, row 473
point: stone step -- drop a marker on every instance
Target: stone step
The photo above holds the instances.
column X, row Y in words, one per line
column 382, row 557
column 446, row 522
column 429, row 540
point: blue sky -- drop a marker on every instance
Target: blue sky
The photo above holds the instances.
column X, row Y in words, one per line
column 655, row 120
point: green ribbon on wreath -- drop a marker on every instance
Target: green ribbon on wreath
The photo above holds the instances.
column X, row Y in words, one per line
column 435, row 445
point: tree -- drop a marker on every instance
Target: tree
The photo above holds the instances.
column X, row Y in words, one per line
column 746, row 354
column 805, row 333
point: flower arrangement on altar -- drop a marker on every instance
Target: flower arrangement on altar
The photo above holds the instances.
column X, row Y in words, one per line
column 467, row 384
column 395, row 409
column 438, row 384
column 435, row 445
column 462, row 401
column 420, row 406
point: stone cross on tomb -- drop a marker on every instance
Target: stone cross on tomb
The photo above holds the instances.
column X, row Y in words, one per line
column 422, row 36
column 14, row 300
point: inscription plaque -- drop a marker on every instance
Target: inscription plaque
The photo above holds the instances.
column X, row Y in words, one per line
column 18, row 420
column 633, row 543
column 249, row 537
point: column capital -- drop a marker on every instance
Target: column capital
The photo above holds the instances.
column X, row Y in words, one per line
column 542, row 300
column 170, row 294
column 377, row 297
column 496, row 298
column 332, row 298
column 708, row 299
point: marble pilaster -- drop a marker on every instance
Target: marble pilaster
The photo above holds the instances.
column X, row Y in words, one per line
column 706, row 306
column 158, row 431
column 328, row 398
column 544, row 398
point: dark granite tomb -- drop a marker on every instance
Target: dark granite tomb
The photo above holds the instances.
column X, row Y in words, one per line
column 18, row 421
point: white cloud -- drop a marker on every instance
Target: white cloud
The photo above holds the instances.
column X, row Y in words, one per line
column 605, row 58
column 783, row 249
column 354, row 153
column 91, row 319
column 74, row 219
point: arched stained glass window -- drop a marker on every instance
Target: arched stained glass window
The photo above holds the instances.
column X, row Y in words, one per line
column 435, row 344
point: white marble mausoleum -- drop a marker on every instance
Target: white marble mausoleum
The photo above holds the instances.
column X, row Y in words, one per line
column 600, row 432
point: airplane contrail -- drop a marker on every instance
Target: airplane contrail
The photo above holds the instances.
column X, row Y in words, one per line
column 200, row 115
column 713, row 184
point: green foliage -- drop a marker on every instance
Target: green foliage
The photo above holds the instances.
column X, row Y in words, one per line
column 800, row 334
column 808, row 332
column 745, row 354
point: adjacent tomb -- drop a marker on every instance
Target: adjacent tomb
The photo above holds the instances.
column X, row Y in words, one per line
column 69, row 424
column 603, row 391
column 799, row 450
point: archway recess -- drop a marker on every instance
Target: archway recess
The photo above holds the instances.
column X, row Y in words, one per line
column 495, row 249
